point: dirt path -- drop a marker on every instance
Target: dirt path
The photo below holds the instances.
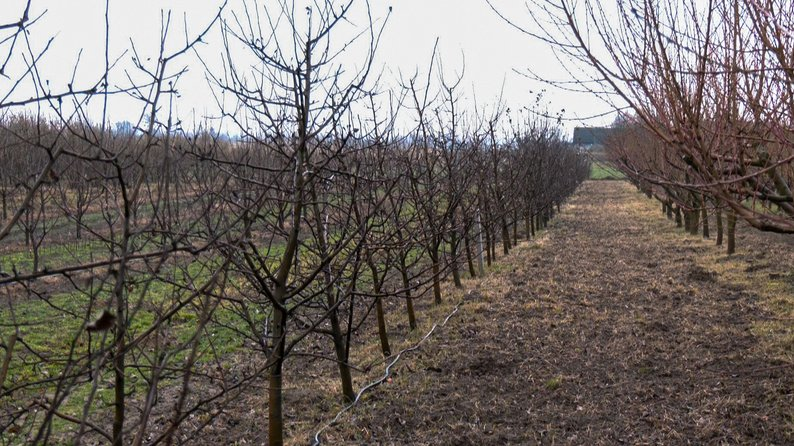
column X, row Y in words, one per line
column 603, row 332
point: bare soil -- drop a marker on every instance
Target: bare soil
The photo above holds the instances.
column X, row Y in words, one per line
column 612, row 328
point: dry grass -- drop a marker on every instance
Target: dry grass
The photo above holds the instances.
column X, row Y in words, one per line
column 768, row 275
column 612, row 329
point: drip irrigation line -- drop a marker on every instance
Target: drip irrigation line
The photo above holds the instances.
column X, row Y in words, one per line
column 387, row 372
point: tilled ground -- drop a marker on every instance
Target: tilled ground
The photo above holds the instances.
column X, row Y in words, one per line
column 605, row 331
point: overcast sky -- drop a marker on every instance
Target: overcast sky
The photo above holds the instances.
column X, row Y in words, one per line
column 466, row 30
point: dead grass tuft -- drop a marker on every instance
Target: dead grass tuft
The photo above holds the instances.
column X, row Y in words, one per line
column 613, row 327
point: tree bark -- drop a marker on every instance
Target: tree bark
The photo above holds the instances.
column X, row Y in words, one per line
column 487, row 246
column 515, row 227
column 731, row 232
column 469, row 257
column 532, row 224
column 505, row 236
column 493, row 243
column 453, row 259
column 382, row 333
column 345, row 377
column 275, row 428
column 480, row 246
column 409, row 301
column 436, row 276
column 695, row 219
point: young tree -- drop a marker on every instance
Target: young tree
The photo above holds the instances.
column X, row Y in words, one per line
column 293, row 104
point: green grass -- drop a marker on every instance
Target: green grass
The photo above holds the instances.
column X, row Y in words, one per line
column 54, row 256
column 553, row 383
column 48, row 327
column 762, row 206
column 603, row 171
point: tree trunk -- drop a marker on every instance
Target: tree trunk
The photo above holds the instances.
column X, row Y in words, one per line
column 731, row 232
column 515, row 228
column 78, row 229
column 275, row 406
column 118, row 403
column 379, row 312
column 678, row 221
column 436, row 276
column 704, row 215
column 488, row 247
column 469, row 257
column 119, row 366
column 36, row 257
column 505, row 236
column 409, row 300
column 532, row 224
column 382, row 333
column 28, row 226
column 453, row 259
column 493, row 244
column 687, row 221
column 719, row 225
column 348, row 394
column 480, row 246
column 695, row 220
column 9, row 351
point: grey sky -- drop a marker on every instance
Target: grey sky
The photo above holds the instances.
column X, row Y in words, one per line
column 465, row 28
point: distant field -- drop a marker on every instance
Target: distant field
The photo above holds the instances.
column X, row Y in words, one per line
column 602, row 171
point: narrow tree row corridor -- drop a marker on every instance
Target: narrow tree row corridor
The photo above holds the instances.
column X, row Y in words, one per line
column 604, row 331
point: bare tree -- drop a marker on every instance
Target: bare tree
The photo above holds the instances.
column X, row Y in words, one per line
column 707, row 80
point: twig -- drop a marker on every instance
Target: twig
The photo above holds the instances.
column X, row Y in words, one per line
column 316, row 439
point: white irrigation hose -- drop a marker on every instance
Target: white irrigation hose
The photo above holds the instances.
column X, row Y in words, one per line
column 382, row 379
